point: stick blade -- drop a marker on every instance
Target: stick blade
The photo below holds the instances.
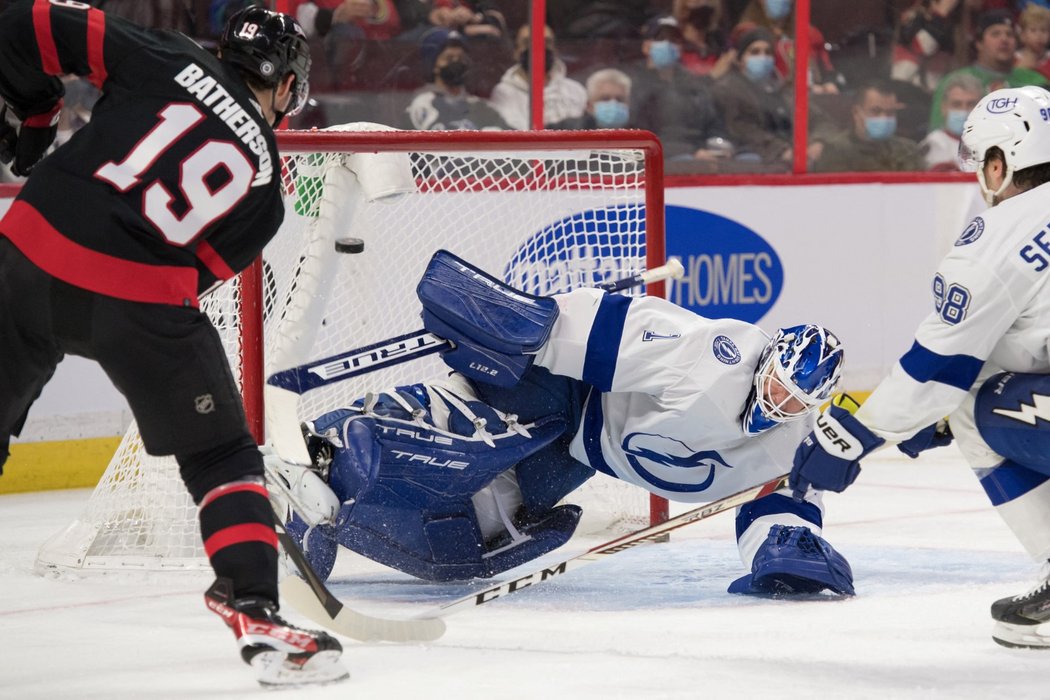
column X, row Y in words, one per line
column 355, row 625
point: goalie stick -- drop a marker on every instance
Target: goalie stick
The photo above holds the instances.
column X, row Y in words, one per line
column 422, row 627
column 410, row 346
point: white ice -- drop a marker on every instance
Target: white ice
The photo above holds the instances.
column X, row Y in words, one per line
column 928, row 553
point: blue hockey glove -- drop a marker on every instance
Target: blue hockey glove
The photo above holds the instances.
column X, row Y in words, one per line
column 829, row 457
column 938, row 434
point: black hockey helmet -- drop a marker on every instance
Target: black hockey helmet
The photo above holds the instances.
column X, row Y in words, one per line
column 268, row 46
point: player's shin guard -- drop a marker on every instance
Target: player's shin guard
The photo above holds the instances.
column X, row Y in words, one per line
column 237, row 525
column 281, row 654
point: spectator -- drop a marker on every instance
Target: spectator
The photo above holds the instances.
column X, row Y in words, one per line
column 778, row 16
column 926, row 42
column 1034, row 37
column 353, row 20
column 706, row 47
column 996, row 44
column 474, row 20
column 598, row 19
column 962, row 92
column 756, row 103
column 563, row 98
column 675, row 104
column 608, row 102
column 444, row 102
column 871, row 144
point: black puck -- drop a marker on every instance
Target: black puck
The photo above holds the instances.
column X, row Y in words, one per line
column 349, row 245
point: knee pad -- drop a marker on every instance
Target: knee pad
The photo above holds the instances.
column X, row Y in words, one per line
column 1012, row 413
column 233, row 461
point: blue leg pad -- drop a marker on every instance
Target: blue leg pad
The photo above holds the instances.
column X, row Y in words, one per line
column 793, row 560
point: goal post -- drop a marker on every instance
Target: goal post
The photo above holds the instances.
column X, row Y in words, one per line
column 546, row 211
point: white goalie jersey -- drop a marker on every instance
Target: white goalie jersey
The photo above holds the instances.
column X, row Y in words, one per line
column 991, row 314
column 672, row 387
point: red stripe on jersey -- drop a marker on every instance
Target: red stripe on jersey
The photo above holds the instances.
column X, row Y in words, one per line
column 96, row 272
column 235, row 487
column 96, row 35
column 214, row 262
column 45, row 41
column 239, row 534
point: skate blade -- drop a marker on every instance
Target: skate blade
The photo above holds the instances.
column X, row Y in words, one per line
column 273, row 670
column 1019, row 636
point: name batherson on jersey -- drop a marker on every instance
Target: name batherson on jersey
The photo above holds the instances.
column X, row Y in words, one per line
column 991, row 313
column 672, row 387
column 171, row 187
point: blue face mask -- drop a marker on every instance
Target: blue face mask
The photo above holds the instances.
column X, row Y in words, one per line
column 664, row 54
column 777, row 9
column 611, row 114
column 758, row 67
column 955, row 121
column 880, row 128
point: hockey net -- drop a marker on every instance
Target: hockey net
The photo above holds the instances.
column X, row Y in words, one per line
column 546, row 211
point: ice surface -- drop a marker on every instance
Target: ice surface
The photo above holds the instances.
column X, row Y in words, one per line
column 928, row 553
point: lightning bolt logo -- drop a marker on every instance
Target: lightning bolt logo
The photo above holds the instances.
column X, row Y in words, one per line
column 1039, row 408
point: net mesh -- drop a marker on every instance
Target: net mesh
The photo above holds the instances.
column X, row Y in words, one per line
column 544, row 221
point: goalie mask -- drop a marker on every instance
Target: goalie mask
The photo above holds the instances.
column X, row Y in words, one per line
column 268, row 46
column 1016, row 121
column 797, row 372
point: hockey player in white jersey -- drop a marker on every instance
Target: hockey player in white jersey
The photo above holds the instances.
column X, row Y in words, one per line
column 460, row 478
column 981, row 356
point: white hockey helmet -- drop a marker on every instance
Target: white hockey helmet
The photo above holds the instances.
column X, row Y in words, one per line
column 1017, row 120
column 806, row 361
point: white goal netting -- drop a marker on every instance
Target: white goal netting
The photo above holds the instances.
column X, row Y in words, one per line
column 547, row 213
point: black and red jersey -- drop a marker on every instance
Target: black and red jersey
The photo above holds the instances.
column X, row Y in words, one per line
column 173, row 185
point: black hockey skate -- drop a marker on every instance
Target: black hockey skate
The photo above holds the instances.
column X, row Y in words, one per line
column 281, row 654
column 1018, row 618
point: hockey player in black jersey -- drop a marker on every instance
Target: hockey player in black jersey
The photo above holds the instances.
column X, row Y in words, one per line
column 173, row 187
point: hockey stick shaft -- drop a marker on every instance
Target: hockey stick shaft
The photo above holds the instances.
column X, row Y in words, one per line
column 411, row 346
column 609, row 548
column 363, row 627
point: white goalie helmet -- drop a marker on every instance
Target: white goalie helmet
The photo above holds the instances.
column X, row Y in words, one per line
column 1017, row 120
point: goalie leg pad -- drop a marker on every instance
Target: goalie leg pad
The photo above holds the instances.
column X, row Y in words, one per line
column 316, row 543
column 793, row 560
column 407, row 489
column 1012, row 411
column 494, row 327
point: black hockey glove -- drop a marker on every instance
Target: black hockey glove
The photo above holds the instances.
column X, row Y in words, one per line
column 30, row 143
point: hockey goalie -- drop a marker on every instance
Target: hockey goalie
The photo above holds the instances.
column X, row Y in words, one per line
column 461, row 477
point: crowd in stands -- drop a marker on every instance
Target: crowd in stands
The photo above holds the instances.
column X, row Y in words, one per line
column 890, row 82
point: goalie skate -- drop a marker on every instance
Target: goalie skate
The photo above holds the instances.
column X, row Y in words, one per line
column 1018, row 618
column 279, row 653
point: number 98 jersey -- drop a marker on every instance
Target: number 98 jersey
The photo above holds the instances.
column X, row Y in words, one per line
column 174, row 183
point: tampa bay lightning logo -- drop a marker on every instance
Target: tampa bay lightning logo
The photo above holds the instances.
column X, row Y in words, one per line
column 651, row 449
column 725, row 350
column 972, row 232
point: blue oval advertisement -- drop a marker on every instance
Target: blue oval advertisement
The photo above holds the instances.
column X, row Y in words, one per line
column 730, row 270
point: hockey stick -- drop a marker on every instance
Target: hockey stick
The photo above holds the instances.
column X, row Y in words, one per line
column 312, row 598
column 410, row 346
column 363, row 627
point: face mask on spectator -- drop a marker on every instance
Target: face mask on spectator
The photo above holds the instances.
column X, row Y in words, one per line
column 548, row 59
column 955, row 121
column 664, row 53
column 880, row 128
column 758, row 67
column 777, row 9
column 453, row 73
column 611, row 114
